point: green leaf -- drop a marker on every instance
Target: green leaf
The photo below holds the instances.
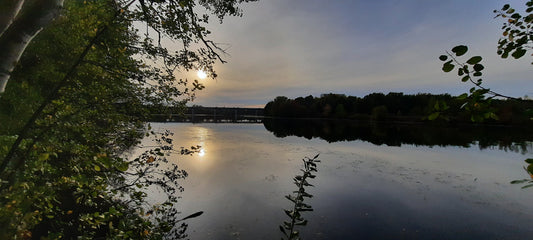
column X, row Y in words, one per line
column 519, row 181
column 97, row 168
column 443, row 58
column 43, row 156
column 477, row 74
column 478, row 67
column 527, row 186
column 494, row 116
column 462, row 96
column 433, row 116
column 465, row 69
column 448, row 66
column 460, row 50
column 505, row 54
column 529, row 160
column 123, row 167
column 518, row 53
column 474, row 60
column 465, row 78
column 505, row 7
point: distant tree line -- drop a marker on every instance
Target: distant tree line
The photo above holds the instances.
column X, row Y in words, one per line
column 393, row 107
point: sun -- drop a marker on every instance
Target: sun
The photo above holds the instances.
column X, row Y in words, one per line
column 201, row 153
column 201, row 74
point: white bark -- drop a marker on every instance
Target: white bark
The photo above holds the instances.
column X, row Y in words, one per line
column 8, row 12
column 23, row 22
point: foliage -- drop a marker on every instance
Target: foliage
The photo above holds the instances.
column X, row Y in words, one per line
column 516, row 41
column 476, row 103
column 393, row 106
column 77, row 104
column 295, row 214
column 517, row 31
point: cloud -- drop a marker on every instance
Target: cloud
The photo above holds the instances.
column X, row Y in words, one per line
column 296, row 48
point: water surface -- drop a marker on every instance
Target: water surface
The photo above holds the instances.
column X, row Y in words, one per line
column 362, row 190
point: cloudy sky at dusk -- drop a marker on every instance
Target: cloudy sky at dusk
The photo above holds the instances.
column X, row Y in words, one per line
column 308, row 47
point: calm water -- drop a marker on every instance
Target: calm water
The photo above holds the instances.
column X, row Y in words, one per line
column 362, row 190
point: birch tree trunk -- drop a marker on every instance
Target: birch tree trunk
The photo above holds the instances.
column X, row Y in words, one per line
column 20, row 22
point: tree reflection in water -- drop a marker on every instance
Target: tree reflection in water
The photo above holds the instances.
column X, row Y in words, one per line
column 516, row 139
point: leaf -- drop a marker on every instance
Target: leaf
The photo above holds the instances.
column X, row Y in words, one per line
column 123, row 167
column 460, row 72
column 43, row 156
column 433, row 116
column 448, row 66
column 462, row 96
column 289, row 213
column 505, row 7
column 465, row 78
column 505, row 54
column 527, row 186
column 301, row 223
column 443, row 58
column 518, row 53
column 97, row 168
column 474, row 60
column 529, row 160
column 465, row 69
column 478, row 67
column 282, row 230
column 460, row 50
column 196, row 214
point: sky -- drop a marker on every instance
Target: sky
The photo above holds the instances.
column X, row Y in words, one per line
column 298, row 48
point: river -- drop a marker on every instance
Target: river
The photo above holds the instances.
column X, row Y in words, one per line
column 363, row 189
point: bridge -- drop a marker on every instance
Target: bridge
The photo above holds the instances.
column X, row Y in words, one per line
column 214, row 114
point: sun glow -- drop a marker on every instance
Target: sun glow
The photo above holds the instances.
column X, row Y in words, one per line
column 201, row 153
column 201, row 74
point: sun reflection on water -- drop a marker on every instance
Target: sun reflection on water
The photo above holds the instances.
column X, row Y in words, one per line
column 202, row 135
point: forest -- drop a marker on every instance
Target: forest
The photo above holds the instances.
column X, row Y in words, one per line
column 399, row 107
column 75, row 80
